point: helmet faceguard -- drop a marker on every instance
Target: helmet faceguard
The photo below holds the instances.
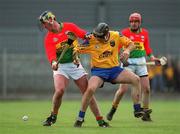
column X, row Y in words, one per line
column 101, row 30
column 46, row 16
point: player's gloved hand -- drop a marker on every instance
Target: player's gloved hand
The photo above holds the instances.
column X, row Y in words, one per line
column 125, row 63
column 156, row 60
column 54, row 65
column 76, row 59
column 76, row 62
column 88, row 35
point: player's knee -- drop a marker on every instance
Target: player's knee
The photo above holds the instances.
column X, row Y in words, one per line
column 136, row 79
column 93, row 101
column 90, row 90
column 146, row 89
column 59, row 92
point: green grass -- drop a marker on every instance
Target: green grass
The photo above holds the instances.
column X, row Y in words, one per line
column 166, row 119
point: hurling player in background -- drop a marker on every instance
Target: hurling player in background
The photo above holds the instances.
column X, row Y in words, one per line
column 140, row 37
column 60, row 43
column 103, row 49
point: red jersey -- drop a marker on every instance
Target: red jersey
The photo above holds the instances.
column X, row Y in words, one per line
column 141, row 40
column 54, row 42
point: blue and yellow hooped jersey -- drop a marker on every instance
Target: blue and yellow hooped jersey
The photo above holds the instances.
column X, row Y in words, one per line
column 105, row 54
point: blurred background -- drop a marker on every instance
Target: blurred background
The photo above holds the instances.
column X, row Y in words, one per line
column 24, row 70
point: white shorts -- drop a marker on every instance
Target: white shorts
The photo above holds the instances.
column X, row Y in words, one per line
column 70, row 70
column 138, row 70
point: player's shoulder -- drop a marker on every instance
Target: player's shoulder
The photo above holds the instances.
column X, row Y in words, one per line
column 92, row 39
column 144, row 30
column 125, row 30
column 48, row 36
column 67, row 24
column 114, row 32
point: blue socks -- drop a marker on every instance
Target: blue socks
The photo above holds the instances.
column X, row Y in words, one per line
column 137, row 107
column 81, row 115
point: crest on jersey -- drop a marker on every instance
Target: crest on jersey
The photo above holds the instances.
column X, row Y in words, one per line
column 112, row 43
column 55, row 39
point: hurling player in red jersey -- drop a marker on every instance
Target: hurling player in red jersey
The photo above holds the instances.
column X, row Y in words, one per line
column 61, row 35
column 140, row 38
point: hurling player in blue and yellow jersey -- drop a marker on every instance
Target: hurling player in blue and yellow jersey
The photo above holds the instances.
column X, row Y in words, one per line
column 103, row 48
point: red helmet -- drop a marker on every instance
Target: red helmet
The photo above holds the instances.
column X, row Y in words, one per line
column 135, row 16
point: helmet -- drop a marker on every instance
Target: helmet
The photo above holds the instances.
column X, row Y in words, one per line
column 46, row 16
column 101, row 30
column 135, row 16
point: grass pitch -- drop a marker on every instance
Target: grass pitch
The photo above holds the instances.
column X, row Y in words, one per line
column 166, row 118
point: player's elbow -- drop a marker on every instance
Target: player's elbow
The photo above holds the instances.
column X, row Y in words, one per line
column 131, row 46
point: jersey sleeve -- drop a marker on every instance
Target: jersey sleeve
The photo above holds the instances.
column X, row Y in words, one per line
column 124, row 32
column 85, row 47
column 124, row 41
column 50, row 51
column 78, row 31
column 147, row 45
column 120, row 45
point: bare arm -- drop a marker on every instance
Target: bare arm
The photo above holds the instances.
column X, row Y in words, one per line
column 130, row 47
column 126, row 53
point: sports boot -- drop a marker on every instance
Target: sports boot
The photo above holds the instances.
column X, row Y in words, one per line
column 102, row 123
column 109, row 116
column 78, row 123
column 146, row 116
column 139, row 113
column 50, row 120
